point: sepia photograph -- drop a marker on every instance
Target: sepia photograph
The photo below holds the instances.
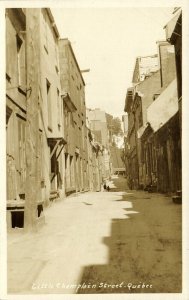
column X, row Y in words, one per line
column 93, row 142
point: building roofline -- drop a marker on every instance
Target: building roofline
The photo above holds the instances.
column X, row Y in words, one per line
column 20, row 14
column 137, row 62
column 52, row 20
column 135, row 68
column 70, row 46
column 162, row 41
column 176, row 9
column 176, row 28
column 153, row 55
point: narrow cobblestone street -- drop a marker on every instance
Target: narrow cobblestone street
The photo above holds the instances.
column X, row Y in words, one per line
column 129, row 240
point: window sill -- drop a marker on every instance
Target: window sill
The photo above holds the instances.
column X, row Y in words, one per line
column 8, row 78
column 46, row 49
column 57, row 70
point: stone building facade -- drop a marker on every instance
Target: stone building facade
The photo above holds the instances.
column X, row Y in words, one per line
column 45, row 66
column 51, row 124
column 153, row 146
column 73, row 95
column 15, row 103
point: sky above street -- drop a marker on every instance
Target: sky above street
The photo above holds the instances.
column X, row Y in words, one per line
column 107, row 41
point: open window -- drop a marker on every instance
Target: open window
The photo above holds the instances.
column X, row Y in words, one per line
column 21, row 63
column 49, row 108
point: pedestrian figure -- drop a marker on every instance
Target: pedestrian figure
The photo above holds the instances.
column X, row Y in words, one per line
column 108, row 188
column 104, row 186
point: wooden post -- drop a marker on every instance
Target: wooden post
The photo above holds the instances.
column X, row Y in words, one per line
column 32, row 125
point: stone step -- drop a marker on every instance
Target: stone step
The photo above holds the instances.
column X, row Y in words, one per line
column 53, row 195
column 177, row 199
column 152, row 189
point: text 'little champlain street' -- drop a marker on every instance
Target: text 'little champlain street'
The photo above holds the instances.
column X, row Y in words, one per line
column 59, row 285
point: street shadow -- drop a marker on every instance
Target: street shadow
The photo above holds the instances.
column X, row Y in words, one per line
column 118, row 270
column 136, row 261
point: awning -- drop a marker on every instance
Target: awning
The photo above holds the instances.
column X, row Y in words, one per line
column 146, row 132
column 164, row 107
column 54, row 140
column 67, row 100
column 54, row 143
column 141, row 131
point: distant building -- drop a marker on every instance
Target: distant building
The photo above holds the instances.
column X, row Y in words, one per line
column 94, row 161
column 130, row 151
column 109, row 120
column 98, row 125
column 118, row 166
column 125, row 124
